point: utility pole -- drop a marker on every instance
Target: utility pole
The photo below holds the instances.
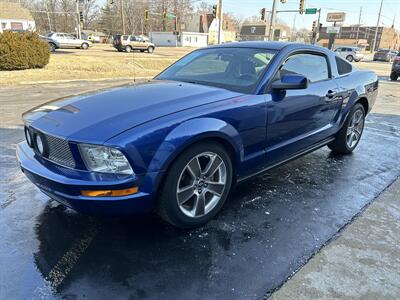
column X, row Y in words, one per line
column 121, row 2
column 220, row 21
column 376, row 29
column 272, row 21
column 78, row 20
column 359, row 24
column 48, row 17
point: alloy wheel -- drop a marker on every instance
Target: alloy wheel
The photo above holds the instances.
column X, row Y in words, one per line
column 201, row 184
column 355, row 129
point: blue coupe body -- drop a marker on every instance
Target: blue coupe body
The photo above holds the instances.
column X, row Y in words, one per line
column 152, row 123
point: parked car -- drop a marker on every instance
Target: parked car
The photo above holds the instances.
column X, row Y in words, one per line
column 178, row 143
column 385, row 55
column 53, row 44
column 132, row 42
column 350, row 53
column 395, row 73
column 69, row 41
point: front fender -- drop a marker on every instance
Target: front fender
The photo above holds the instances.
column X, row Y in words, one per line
column 190, row 132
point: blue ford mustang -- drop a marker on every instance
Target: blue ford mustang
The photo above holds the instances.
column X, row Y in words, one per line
column 178, row 143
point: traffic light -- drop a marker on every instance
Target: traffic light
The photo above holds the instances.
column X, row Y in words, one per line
column 146, row 15
column 262, row 14
column 215, row 10
column 314, row 24
column 301, row 6
column 81, row 16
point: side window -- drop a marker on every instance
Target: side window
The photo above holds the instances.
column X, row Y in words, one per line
column 205, row 65
column 312, row 66
column 133, row 38
column 343, row 66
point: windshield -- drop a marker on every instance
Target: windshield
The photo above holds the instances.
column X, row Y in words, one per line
column 237, row 69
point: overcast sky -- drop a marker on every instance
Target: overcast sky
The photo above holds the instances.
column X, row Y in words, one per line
column 370, row 9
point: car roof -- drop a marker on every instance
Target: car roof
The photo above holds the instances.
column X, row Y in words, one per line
column 271, row 46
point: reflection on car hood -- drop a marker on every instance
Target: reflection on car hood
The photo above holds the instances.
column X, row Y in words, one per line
column 98, row 117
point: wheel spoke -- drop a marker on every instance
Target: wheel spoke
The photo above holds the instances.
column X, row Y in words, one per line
column 216, row 188
column 199, row 205
column 194, row 167
column 213, row 165
column 358, row 117
column 184, row 194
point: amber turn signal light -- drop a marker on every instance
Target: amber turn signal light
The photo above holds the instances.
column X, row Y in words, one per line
column 110, row 193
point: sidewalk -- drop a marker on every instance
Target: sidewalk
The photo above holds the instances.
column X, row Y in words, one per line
column 362, row 263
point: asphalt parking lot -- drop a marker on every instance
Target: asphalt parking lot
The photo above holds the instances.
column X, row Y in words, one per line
column 271, row 226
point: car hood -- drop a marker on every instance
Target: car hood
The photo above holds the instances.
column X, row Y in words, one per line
column 98, row 117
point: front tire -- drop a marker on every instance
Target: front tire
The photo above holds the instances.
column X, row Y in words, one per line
column 349, row 135
column 52, row 47
column 150, row 49
column 196, row 186
column 393, row 76
column 85, row 46
column 349, row 58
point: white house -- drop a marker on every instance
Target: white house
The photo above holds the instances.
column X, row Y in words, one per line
column 185, row 39
column 16, row 18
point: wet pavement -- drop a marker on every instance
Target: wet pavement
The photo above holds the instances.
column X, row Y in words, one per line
column 270, row 227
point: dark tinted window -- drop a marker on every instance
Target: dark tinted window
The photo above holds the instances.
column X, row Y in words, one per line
column 312, row 66
column 343, row 66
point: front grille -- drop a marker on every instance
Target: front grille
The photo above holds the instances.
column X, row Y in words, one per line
column 58, row 150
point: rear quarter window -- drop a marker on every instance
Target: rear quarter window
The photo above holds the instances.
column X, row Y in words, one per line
column 343, row 66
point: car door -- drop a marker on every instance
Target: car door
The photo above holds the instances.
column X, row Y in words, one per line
column 135, row 42
column 298, row 119
column 61, row 39
column 71, row 41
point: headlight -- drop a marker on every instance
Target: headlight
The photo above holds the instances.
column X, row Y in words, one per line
column 104, row 159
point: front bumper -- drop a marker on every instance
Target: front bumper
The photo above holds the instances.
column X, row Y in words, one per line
column 64, row 185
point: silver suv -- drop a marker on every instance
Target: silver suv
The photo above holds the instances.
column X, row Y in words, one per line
column 350, row 53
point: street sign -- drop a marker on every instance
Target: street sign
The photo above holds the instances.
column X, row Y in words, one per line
column 170, row 16
column 332, row 29
column 311, row 11
column 336, row 17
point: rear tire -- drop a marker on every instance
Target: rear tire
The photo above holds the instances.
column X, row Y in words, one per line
column 394, row 76
column 191, row 196
column 349, row 135
column 128, row 49
column 349, row 58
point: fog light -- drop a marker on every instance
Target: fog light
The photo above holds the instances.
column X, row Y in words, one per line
column 110, row 193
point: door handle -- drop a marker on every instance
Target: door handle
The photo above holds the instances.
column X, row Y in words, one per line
column 330, row 94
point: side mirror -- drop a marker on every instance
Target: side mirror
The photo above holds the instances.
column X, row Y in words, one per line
column 290, row 82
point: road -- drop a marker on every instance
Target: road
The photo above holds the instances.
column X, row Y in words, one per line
column 271, row 226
